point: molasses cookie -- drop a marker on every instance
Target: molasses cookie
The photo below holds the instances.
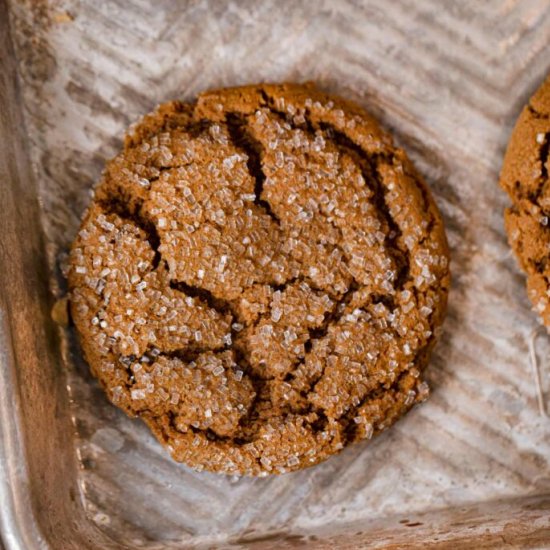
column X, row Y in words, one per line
column 525, row 178
column 260, row 277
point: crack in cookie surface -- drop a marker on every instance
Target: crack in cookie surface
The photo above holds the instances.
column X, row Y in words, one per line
column 243, row 140
column 271, row 277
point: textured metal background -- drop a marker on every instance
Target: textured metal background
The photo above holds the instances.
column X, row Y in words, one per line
column 448, row 79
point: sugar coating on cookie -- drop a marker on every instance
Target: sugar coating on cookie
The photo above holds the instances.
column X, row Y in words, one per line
column 525, row 178
column 260, row 277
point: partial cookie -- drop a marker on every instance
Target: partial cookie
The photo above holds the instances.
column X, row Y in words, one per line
column 525, row 177
column 260, row 277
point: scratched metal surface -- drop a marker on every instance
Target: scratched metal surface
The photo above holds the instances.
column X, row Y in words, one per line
column 448, row 79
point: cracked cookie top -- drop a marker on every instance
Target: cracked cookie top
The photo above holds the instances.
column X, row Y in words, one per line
column 525, row 178
column 260, row 277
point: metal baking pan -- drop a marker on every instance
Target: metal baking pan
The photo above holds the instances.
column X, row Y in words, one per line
column 470, row 468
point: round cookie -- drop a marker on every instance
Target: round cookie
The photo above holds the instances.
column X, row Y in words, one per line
column 525, row 178
column 260, row 277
